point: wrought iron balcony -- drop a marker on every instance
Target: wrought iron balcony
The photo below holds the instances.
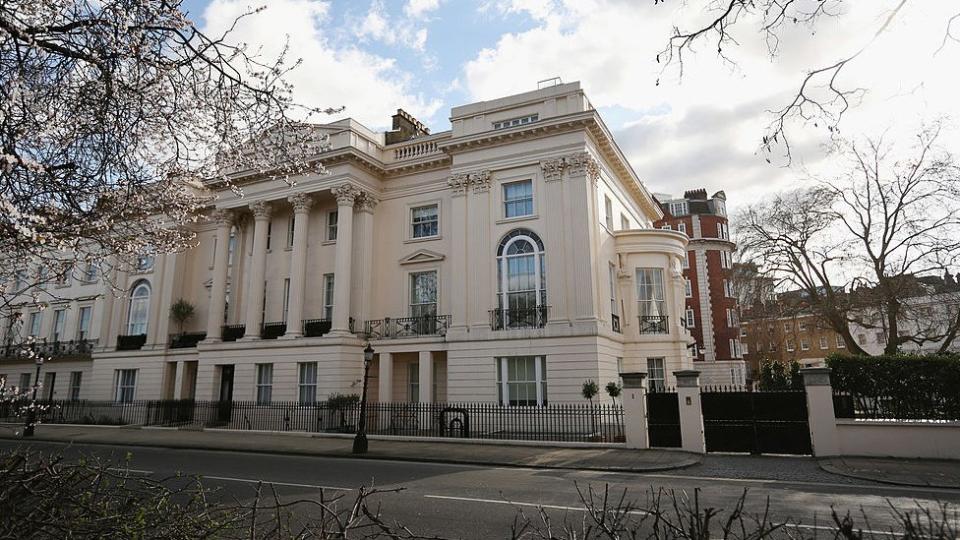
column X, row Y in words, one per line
column 232, row 332
column 507, row 319
column 273, row 330
column 615, row 322
column 131, row 343
column 654, row 325
column 186, row 341
column 77, row 347
column 316, row 327
column 404, row 327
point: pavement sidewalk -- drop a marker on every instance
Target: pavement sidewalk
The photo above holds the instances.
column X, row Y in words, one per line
column 904, row 472
column 472, row 453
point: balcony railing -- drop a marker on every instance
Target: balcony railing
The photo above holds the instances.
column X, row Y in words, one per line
column 78, row 347
column 186, row 341
column 131, row 343
column 507, row 319
column 404, row 327
column 654, row 325
column 273, row 330
column 232, row 332
column 316, row 327
column 615, row 323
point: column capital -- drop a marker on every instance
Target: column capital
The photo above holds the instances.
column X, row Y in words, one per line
column 222, row 217
column 480, row 181
column 346, row 194
column 301, row 202
column 261, row 210
column 366, row 202
column 458, row 184
column 552, row 169
column 582, row 164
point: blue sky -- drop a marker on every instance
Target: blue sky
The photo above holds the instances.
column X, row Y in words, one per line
column 426, row 56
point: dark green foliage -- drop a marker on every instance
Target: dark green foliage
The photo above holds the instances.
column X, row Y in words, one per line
column 614, row 389
column 775, row 376
column 589, row 390
column 903, row 387
column 342, row 401
column 181, row 311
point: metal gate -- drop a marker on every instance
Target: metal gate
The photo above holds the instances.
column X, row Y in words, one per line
column 756, row 422
column 663, row 419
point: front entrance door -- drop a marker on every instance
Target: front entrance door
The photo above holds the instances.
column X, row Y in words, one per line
column 225, row 406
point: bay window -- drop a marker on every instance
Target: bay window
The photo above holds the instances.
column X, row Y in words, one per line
column 652, row 306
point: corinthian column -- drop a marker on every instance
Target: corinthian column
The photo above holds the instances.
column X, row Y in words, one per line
column 346, row 195
column 218, row 290
column 298, row 264
column 258, row 269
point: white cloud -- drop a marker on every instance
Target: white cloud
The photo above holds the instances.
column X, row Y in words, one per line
column 406, row 31
column 370, row 86
column 718, row 112
column 419, row 8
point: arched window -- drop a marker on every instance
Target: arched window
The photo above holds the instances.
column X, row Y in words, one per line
column 522, row 282
column 139, row 312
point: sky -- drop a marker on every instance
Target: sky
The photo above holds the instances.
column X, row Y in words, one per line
column 701, row 130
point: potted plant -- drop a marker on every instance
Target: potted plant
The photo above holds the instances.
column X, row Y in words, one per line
column 589, row 390
column 181, row 311
column 614, row 390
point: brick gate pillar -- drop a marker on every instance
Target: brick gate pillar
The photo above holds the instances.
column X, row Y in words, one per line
column 691, row 415
column 635, row 428
column 822, row 419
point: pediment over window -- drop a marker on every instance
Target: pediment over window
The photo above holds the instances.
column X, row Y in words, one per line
column 422, row 256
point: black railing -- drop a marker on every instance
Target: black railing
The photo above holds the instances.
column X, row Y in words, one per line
column 506, row 319
column 615, row 322
column 186, row 341
column 232, row 332
column 922, row 406
column 403, row 327
column 272, row 330
column 654, row 325
column 575, row 422
column 78, row 348
column 131, row 343
column 316, row 327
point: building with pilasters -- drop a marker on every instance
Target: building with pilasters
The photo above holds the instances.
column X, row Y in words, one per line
column 506, row 260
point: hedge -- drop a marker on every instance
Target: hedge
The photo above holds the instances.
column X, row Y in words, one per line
column 902, row 387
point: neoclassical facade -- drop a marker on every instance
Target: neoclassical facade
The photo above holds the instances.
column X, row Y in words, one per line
column 507, row 260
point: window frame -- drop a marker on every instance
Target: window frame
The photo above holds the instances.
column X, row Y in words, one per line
column 263, row 383
column 411, row 288
column 412, row 223
column 122, row 385
column 329, row 285
column 291, row 225
column 331, row 225
column 539, row 381
column 131, row 324
column 76, row 380
column 503, row 269
column 506, row 202
column 608, row 212
column 690, row 317
column 304, row 386
column 656, row 375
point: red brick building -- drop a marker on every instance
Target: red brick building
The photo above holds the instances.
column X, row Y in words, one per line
column 711, row 305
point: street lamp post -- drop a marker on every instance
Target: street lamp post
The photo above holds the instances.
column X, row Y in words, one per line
column 360, row 441
column 32, row 413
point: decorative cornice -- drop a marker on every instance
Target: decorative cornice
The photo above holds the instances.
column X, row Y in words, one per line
column 301, row 202
column 552, row 169
column 261, row 209
column 346, row 194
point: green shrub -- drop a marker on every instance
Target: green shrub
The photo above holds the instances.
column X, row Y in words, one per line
column 900, row 386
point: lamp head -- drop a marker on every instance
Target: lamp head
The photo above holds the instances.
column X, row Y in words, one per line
column 368, row 354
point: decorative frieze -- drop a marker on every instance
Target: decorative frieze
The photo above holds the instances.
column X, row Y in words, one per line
column 261, row 209
column 460, row 182
column 301, row 202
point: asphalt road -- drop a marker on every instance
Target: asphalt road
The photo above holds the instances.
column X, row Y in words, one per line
column 482, row 502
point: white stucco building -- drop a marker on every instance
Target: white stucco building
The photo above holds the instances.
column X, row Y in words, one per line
column 510, row 258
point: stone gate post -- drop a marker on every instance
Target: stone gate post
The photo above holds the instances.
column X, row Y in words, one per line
column 691, row 416
column 822, row 420
column 635, row 410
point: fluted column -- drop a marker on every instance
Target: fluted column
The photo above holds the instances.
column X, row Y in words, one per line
column 258, row 269
column 298, row 264
column 363, row 252
column 346, row 195
column 218, row 289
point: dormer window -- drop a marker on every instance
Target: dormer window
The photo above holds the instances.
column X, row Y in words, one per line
column 679, row 208
column 512, row 122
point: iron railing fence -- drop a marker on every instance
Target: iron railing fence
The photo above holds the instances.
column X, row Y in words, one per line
column 654, row 325
column 920, row 406
column 559, row 422
column 76, row 347
column 187, row 340
column 508, row 319
column 316, row 327
column 403, row 327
